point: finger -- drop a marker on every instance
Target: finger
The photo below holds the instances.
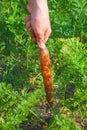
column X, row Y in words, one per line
column 34, row 40
column 28, row 8
column 27, row 18
column 31, row 32
column 28, row 25
column 40, row 39
column 46, row 35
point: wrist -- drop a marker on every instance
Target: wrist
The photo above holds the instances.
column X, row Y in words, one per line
column 38, row 4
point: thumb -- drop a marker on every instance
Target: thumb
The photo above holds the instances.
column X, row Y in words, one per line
column 40, row 40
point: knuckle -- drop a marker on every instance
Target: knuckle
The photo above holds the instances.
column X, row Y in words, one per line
column 40, row 34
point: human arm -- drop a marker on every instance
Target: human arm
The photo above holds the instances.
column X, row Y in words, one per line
column 38, row 22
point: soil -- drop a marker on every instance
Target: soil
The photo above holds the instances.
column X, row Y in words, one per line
column 44, row 112
column 84, row 123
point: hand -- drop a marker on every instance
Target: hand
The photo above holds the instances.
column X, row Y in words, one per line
column 38, row 23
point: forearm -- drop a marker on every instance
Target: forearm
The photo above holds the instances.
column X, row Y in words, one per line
column 39, row 4
column 36, row 2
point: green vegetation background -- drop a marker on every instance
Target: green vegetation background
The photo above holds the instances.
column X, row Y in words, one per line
column 21, row 85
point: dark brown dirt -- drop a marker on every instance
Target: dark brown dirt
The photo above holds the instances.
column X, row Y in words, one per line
column 43, row 111
column 33, row 127
column 45, row 115
column 84, row 123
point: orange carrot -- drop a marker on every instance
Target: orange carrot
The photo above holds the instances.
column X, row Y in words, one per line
column 46, row 72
